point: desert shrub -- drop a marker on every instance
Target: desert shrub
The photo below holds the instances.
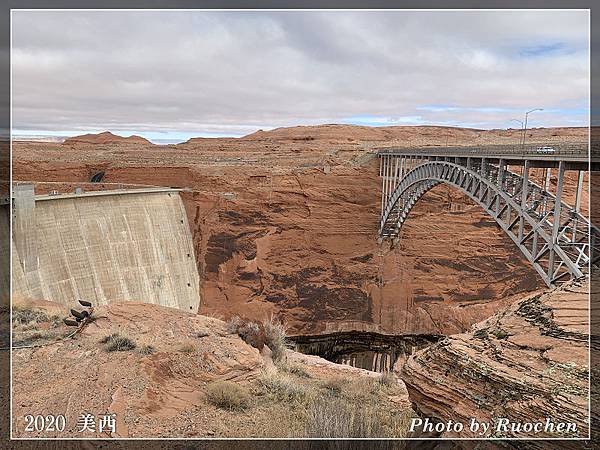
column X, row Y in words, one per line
column 297, row 370
column 481, row 334
column 188, row 347
column 283, row 387
column 251, row 332
column 500, row 333
column 341, row 418
column 334, row 386
column 26, row 316
column 232, row 325
column 276, row 339
column 387, row 378
column 228, row 395
column 146, row 350
column 117, row 343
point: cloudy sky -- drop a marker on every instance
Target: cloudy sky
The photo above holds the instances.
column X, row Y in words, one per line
column 177, row 74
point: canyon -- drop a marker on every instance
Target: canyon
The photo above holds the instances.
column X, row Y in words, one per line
column 284, row 223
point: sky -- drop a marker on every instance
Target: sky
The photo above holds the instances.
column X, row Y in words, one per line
column 171, row 75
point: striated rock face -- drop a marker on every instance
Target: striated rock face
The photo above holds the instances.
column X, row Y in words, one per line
column 367, row 350
column 526, row 363
column 285, row 222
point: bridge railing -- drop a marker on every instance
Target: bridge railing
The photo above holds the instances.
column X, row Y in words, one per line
column 534, row 149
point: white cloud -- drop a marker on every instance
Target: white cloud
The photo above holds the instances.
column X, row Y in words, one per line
column 236, row 71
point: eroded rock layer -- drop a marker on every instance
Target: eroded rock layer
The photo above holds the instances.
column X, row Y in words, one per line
column 367, row 350
column 527, row 363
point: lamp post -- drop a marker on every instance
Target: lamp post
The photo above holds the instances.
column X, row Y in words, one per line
column 525, row 126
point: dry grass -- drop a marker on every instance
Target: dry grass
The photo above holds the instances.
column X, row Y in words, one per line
column 388, row 379
column 30, row 317
column 117, row 343
column 349, row 416
column 283, row 387
column 146, row 350
column 38, row 337
column 294, row 369
column 334, row 386
column 340, row 418
column 228, row 395
column 233, row 325
column 276, row 339
column 34, row 326
column 188, row 347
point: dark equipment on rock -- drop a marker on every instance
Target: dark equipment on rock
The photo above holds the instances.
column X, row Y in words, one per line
column 79, row 315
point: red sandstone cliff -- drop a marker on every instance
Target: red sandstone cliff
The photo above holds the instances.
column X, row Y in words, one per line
column 288, row 226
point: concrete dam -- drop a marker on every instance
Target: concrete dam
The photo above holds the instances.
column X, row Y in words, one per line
column 103, row 246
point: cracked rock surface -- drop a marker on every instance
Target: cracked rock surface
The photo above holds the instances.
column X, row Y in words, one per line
column 525, row 363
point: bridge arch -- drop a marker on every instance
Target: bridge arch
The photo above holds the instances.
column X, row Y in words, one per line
column 554, row 237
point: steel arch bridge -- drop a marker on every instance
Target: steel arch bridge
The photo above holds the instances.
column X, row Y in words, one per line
column 556, row 238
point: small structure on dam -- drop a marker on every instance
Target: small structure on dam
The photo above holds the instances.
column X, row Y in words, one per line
column 104, row 246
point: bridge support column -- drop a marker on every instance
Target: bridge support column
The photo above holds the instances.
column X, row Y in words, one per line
column 401, row 168
column 579, row 189
column 524, row 192
column 500, row 183
column 556, row 218
column 381, row 174
column 396, row 173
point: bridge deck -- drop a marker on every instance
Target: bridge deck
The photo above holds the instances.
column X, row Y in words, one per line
column 576, row 156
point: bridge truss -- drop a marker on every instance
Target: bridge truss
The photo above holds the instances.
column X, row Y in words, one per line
column 556, row 238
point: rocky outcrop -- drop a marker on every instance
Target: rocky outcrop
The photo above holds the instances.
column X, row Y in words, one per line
column 525, row 364
column 372, row 351
column 413, row 135
column 105, row 137
column 160, row 388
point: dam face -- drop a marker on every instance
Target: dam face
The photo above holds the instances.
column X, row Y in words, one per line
column 105, row 247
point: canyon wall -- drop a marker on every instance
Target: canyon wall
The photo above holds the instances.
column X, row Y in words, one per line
column 104, row 247
column 285, row 223
column 304, row 246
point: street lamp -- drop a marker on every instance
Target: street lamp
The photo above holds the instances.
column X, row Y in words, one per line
column 525, row 126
